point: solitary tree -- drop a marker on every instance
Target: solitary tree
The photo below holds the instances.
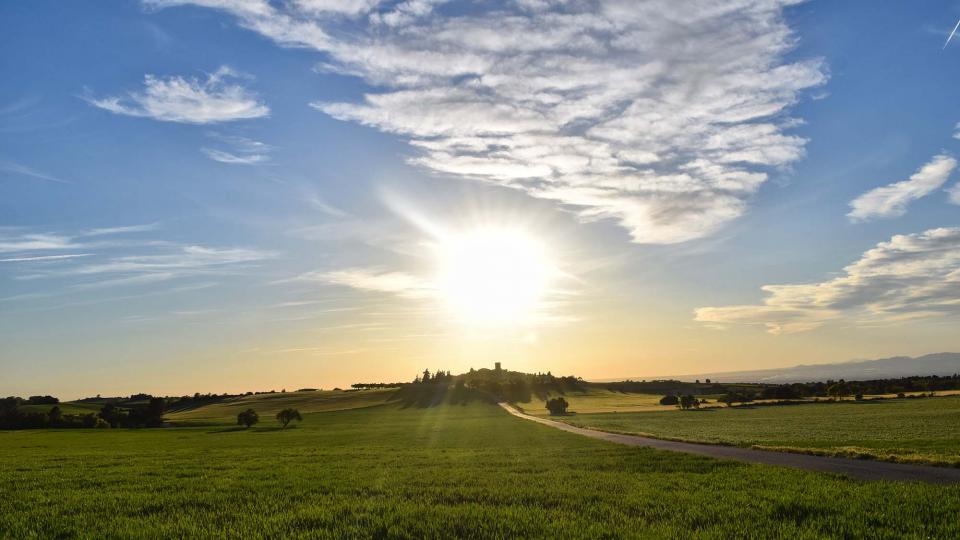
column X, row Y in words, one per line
column 557, row 406
column 248, row 418
column 287, row 415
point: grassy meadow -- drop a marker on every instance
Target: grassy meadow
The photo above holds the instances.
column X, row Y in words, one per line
column 594, row 399
column 268, row 405
column 909, row 430
column 450, row 470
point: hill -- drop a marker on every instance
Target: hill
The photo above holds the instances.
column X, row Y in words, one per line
column 856, row 370
column 268, row 405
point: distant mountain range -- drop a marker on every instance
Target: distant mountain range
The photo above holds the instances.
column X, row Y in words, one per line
column 856, row 370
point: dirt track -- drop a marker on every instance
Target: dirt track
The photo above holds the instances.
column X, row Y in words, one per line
column 854, row 468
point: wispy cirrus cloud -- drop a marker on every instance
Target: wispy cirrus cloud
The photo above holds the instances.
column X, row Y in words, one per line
column 116, row 262
column 182, row 260
column 239, row 150
column 615, row 109
column 36, row 242
column 375, row 280
column 188, row 100
column 123, row 229
column 41, row 258
column 19, row 169
column 910, row 276
column 29, row 241
column 892, row 200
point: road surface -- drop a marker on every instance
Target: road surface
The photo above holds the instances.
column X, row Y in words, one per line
column 854, row 468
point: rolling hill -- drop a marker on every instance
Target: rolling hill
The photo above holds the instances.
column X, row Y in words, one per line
column 856, row 370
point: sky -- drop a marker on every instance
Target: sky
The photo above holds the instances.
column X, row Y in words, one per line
column 232, row 195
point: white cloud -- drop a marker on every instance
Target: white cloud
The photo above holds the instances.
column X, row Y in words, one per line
column 188, row 100
column 910, row 276
column 36, row 242
column 41, row 258
column 234, row 159
column 126, row 229
column 23, row 170
column 376, row 280
column 186, row 260
column 892, row 200
column 954, row 194
column 665, row 116
column 241, row 150
column 341, row 7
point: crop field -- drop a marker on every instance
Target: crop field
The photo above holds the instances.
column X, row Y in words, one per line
column 597, row 400
column 908, row 430
column 66, row 408
column 269, row 404
column 389, row 472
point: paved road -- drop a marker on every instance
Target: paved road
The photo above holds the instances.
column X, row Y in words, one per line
column 854, row 468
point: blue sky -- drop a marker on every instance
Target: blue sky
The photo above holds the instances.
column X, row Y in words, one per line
column 224, row 195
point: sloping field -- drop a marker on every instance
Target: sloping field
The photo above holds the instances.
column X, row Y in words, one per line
column 597, row 400
column 68, row 407
column 439, row 472
column 923, row 430
column 267, row 405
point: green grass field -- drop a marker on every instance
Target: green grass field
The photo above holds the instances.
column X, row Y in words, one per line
column 268, row 405
column 66, row 408
column 388, row 472
column 921, row 430
column 597, row 400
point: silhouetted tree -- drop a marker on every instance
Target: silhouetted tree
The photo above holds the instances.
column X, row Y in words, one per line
column 55, row 416
column 557, row 406
column 288, row 415
column 688, row 402
column 839, row 389
column 153, row 416
column 248, row 418
column 110, row 414
column 669, row 399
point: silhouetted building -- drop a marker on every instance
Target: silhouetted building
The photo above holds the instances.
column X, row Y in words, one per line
column 496, row 367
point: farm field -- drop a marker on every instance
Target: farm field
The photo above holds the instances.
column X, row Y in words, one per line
column 467, row 470
column 66, row 408
column 269, row 404
column 907, row 430
column 597, row 400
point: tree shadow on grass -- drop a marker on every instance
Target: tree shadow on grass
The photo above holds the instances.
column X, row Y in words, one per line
column 263, row 429
column 229, row 429
column 269, row 429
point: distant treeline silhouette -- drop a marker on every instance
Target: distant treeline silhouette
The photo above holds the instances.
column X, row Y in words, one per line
column 441, row 386
column 750, row 391
column 433, row 388
column 12, row 416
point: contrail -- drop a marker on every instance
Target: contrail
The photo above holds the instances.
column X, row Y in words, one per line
column 951, row 35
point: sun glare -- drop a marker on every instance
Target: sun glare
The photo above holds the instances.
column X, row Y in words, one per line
column 493, row 276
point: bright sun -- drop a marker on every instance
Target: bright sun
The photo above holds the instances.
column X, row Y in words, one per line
column 493, row 275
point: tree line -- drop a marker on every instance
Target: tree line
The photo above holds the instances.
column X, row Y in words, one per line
column 111, row 415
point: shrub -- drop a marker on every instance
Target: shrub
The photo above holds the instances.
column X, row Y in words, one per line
column 858, row 397
column 901, row 395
